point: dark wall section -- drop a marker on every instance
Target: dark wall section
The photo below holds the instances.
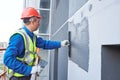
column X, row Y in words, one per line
column 110, row 62
column 80, row 43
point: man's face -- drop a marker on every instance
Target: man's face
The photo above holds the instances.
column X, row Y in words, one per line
column 36, row 23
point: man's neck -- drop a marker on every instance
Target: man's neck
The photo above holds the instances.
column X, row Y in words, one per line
column 29, row 28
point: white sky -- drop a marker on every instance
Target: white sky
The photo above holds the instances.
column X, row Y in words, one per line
column 10, row 13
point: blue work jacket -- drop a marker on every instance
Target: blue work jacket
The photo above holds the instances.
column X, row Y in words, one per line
column 16, row 49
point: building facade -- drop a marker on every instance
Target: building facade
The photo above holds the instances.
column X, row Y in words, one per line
column 92, row 26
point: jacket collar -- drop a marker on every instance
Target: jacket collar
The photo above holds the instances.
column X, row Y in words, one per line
column 31, row 34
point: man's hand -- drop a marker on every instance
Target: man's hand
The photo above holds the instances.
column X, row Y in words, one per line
column 65, row 43
column 36, row 69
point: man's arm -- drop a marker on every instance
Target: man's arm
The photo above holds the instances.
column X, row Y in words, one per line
column 47, row 44
column 14, row 49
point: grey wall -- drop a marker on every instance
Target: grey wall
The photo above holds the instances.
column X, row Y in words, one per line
column 59, row 58
column 60, row 13
column 75, row 5
column 60, row 70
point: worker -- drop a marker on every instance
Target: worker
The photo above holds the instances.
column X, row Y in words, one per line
column 20, row 53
